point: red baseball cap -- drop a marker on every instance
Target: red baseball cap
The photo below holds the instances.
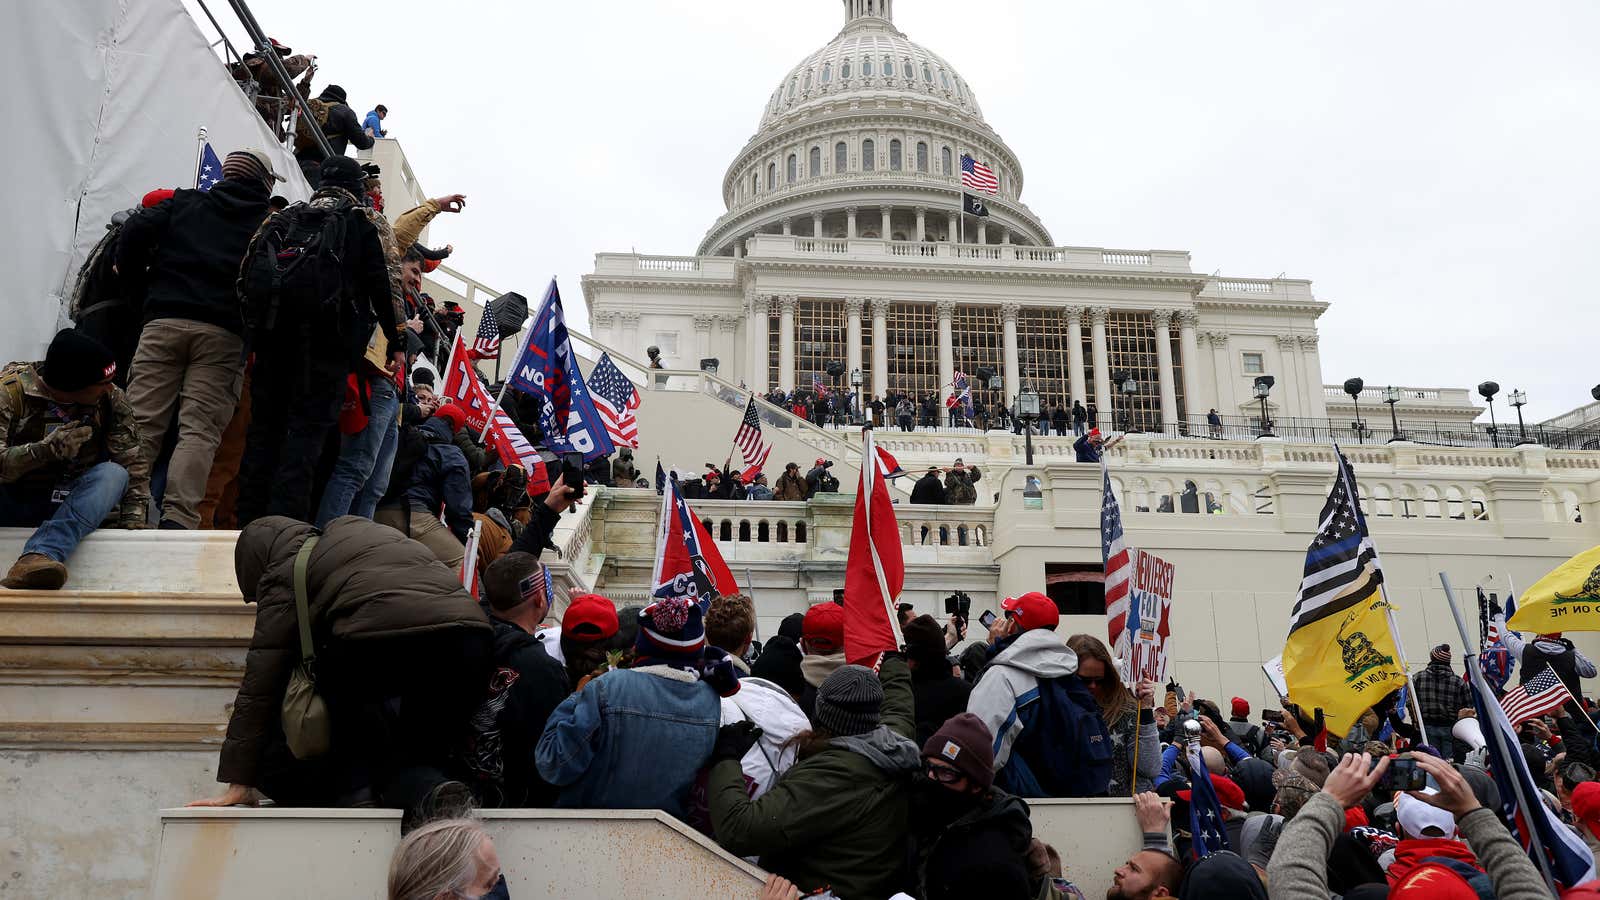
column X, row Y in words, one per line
column 1228, row 792
column 823, row 628
column 590, row 618
column 156, row 196
column 1033, row 610
column 1586, row 804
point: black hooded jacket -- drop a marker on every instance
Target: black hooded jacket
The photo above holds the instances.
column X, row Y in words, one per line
column 928, row 489
column 541, row 686
column 983, row 853
column 193, row 245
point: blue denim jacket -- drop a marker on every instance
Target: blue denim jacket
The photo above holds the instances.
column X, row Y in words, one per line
column 631, row 739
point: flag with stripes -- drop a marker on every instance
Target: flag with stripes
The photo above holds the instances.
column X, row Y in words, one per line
column 752, row 446
column 1540, row 695
column 978, row 176
column 1566, row 860
column 1118, row 568
column 615, row 398
column 1206, row 829
column 486, row 343
column 817, row 385
column 1340, row 654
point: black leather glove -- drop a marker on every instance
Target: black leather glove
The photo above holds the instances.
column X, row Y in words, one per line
column 734, row 741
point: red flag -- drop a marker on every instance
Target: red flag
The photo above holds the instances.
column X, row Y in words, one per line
column 876, row 569
column 688, row 563
column 462, row 387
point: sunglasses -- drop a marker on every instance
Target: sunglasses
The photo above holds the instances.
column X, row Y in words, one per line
column 942, row 774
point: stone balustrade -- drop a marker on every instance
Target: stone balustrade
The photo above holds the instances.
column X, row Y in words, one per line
column 781, row 245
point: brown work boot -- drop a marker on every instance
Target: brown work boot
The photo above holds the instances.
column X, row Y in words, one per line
column 35, row 572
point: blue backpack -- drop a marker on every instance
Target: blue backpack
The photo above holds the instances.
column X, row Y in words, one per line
column 1064, row 749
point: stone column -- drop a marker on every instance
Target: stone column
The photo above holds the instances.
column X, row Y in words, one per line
column 1196, row 406
column 1075, row 380
column 756, row 325
column 947, row 350
column 983, row 230
column 850, row 221
column 1005, row 234
column 605, row 329
column 954, row 233
column 1102, row 362
column 1008, row 352
column 738, row 249
column 786, row 304
column 1287, row 392
column 852, row 334
column 726, row 346
column 788, row 227
column 816, row 225
column 1162, row 319
column 702, row 338
column 1311, row 364
column 922, row 223
column 1222, row 372
column 630, row 335
column 880, row 345
column 886, row 220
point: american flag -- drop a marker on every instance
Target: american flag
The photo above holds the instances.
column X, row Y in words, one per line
column 615, row 398
column 978, row 176
column 1206, row 828
column 1119, row 568
column 961, row 394
column 817, row 385
column 748, row 439
column 486, row 343
column 1542, row 694
column 1341, row 563
column 209, row 172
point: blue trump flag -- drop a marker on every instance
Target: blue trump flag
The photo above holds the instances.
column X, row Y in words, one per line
column 547, row 369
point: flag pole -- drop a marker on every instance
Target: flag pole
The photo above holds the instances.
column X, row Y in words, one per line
column 1482, row 685
column 199, row 154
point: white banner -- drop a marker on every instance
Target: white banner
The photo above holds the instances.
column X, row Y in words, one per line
column 1274, row 672
column 1149, row 617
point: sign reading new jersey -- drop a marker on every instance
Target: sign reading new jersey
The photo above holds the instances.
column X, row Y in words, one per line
column 1150, row 617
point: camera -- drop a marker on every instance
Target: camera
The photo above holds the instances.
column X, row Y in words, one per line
column 958, row 604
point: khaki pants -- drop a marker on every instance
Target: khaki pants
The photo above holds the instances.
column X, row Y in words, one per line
column 196, row 369
column 222, row 487
column 426, row 530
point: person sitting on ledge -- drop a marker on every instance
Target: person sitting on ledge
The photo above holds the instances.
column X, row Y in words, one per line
column 69, row 456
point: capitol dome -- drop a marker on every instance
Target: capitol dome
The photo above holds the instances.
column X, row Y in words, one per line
column 864, row 138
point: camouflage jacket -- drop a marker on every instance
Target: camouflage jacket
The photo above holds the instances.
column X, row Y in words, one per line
column 27, row 415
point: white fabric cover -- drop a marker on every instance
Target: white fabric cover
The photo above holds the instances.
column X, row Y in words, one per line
column 103, row 100
column 778, row 717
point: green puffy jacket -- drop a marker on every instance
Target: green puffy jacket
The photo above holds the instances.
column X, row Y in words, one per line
column 838, row 818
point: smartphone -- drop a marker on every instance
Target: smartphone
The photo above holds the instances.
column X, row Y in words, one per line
column 572, row 472
column 987, row 619
column 1402, row 774
column 1272, row 715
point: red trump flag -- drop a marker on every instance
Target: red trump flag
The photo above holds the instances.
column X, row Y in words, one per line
column 876, row 570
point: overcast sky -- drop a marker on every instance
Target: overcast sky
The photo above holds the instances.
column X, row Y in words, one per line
column 1430, row 166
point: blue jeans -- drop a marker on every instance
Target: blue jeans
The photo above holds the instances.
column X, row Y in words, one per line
column 365, row 458
column 93, row 495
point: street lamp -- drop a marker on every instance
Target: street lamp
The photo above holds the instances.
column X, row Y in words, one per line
column 1129, row 386
column 1353, row 386
column 1028, row 412
column 1487, row 390
column 1391, row 396
column 1263, row 387
column 1519, row 399
column 856, row 381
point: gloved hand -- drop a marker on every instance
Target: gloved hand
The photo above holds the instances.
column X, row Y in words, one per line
column 66, row 441
column 734, row 741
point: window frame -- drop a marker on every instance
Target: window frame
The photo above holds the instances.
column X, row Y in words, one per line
column 896, row 155
column 814, row 161
column 1260, row 359
column 869, row 155
column 922, row 156
column 841, row 157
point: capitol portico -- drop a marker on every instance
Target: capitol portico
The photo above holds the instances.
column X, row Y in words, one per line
column 844, row 241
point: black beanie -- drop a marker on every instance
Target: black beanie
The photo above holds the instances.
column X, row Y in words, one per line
column 76, row 361
column 422, row 376
column 343, row 172
column 924, row 640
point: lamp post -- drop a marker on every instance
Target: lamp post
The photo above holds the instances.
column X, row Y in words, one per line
column 1519, row 399
column 855, row 382
column 1028, row 412
column 1353, row 386
column 1263, row 387
column 1487, row 390
column 1129, row 386
column 1391, row 396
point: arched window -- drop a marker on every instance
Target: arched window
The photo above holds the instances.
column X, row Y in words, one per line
column 927, row 73
column 841, row 157
column 922, row 156
column 727, row 530
column 799, row 532
column 783, row 532
column 866, row 67
column 888, row 67
column 844, row 70
column 754, row 182
column 772, row 175
column 827, row 72
column 793, row 169
column 905, row 68
column 894, row 155
column 869, row 159
column 744, row 531
column 790, row 94
column 944, row 161
column 944, row 79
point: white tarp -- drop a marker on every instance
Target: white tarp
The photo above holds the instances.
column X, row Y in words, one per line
column 103, row 102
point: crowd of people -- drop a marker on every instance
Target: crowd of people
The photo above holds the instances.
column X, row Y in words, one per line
column 909, row 413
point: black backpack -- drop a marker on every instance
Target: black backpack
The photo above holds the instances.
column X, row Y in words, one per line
column 295, row 270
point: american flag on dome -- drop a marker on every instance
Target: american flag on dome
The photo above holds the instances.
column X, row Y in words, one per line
column 486, row 343
column 752, row 447
column 978, row 176
column 209, row 172
column 1119, row 568
column 615, row 398
column 1540, row 695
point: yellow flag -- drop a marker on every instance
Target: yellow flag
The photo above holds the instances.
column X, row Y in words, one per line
column 1567, row 599
column 1343, row 662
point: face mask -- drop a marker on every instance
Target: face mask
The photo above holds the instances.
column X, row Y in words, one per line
column 934, row 802
column 498, row 892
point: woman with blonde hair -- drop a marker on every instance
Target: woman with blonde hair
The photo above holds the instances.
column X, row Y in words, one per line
column 448, row 859
column 1129, row 717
